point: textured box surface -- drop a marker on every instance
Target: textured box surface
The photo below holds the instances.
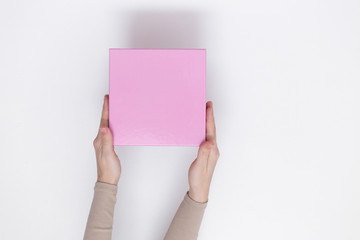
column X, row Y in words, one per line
column 157, row 97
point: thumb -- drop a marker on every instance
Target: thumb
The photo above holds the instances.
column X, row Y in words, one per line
column 106, row 137
column 203, row 153
column 205, row 149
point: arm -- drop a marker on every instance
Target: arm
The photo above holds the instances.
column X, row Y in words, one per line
column 99, row 224
column 100, row 220
column 187, row 220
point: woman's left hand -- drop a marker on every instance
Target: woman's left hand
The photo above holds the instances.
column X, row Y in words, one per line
column 108, row 163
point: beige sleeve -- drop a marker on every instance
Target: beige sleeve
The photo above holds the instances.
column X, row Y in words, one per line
column 184, row 226
column 100, row 220
column 187, row 220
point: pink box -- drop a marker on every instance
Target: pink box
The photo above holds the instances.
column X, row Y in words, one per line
column 157, row 97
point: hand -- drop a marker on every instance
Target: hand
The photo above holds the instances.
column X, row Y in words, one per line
column 108, row 163
column 202, row 169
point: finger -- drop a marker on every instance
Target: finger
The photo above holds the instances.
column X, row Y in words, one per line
column 210, row 123
column 204, row 152
column 105, row 112
column 213, row 157
column 106, row 138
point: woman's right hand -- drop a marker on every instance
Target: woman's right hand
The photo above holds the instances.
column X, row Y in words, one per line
column 202, row 169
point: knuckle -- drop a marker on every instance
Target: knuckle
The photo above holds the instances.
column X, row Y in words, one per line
column 217, row 153
column 96, row 142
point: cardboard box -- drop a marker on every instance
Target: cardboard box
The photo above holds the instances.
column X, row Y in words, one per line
column 157, row 97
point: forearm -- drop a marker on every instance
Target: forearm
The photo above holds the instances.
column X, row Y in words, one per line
column 187, row 220
column 100, row 220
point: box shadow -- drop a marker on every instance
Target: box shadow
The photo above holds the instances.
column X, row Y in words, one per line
column 165, row 29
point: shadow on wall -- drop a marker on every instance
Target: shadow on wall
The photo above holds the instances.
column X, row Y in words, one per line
column 160, row 29
column 175, row 29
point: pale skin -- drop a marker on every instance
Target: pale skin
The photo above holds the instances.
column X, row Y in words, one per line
column 200, row 171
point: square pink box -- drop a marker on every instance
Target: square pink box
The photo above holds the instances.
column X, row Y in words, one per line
column 157, row 97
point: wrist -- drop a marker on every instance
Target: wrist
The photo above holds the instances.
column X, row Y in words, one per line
column 200, row 196
column 108, row 180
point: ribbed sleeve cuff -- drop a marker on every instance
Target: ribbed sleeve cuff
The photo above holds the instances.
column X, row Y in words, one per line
column 107, row 187
column 194, row 203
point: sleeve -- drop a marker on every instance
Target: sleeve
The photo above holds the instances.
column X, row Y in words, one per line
column 100, row 220
column 187, row 220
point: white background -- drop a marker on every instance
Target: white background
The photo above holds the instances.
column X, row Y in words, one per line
column 284, row 77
